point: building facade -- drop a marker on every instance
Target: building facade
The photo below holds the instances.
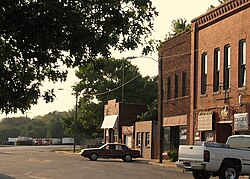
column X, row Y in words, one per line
column 116, row 115
column 146, row 138
column 220, row 72
column 204, row 78
column 176, row 57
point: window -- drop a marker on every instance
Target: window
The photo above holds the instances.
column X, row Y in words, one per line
column 216, row 83
column 176, row 89
column 242, row 63
column 184, row 83
column 226, row 75
column 147, row 142
column 204, row 73
column 169, row 88
column 138, row 139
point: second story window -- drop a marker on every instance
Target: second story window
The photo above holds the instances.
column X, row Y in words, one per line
column 204, row 73
column 184, row 83
column 176, row 88
column 227, row 57
column 242, row 63
column 169, row 88
column 216, row 80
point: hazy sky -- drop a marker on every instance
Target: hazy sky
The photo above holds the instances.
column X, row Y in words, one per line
column 168, row 11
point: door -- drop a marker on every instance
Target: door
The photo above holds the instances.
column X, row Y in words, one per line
column 128, row 141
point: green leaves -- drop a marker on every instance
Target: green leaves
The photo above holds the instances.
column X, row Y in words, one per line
column 37, row 37
column 102, row 80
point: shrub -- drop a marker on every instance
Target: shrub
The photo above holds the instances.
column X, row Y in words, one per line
column 173, row 155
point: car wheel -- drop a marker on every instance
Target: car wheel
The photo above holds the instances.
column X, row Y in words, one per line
column 127, row 158
column 201, row 175
column 93, row 157
column 229, row 171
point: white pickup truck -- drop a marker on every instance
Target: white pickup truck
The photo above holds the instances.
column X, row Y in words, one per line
column 228, row 161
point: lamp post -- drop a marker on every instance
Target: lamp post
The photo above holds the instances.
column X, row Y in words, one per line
column 74, row 122
column 160, row 97
column 75, row 119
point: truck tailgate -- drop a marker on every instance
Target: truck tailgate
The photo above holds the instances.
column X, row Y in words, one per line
column 191, row 153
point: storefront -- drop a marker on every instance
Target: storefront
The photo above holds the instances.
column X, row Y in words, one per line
column 175, row 132
column 205, row 126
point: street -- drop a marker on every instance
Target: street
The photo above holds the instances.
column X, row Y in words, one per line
column 41, row 162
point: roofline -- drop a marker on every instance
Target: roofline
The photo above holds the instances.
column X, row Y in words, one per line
column 220, row 11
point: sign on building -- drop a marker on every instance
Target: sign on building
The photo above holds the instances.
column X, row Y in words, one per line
column 241, row 121
column 205, row 122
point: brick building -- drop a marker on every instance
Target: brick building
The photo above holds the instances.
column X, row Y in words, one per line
column 146, row 138
column 176, row 57
column 220, row 72
column 204, row 74
column 116, row 115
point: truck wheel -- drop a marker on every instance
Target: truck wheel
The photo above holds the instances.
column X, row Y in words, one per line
column 201, row 175
column 93, row 157
column 229, row 171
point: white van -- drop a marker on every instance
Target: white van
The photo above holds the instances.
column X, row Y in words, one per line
column 239, row 141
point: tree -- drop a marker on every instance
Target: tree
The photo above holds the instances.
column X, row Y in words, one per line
column 179, row 26
column 103, row 80
column 53, row 123
column 38, row 37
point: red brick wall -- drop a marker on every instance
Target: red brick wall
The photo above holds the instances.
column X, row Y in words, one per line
column 229, row 29
column 175, row 54
column 227, row 24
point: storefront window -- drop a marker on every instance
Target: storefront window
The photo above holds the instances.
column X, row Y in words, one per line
column 166, row 139
column 183, row 135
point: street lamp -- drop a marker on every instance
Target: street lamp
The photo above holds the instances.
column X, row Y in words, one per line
column 160, row 117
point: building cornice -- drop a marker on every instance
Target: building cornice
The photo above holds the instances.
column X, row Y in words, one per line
column 221, row 11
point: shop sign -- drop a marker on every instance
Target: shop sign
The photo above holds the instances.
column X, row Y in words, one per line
column 241, row 121
column 205, row 122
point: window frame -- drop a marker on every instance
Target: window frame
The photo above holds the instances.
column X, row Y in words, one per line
column 216, row 77
column 227, row 63
column 184, row 83
column 176, row 88
column 147, row 139
column 138, row 139
column 242, row 64
column 168, row 88
column 204, row 59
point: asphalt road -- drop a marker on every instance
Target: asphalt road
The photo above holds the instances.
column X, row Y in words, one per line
column 27, row 162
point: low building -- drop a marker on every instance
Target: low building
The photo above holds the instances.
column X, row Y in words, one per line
column 116, row 115
column 146, row 138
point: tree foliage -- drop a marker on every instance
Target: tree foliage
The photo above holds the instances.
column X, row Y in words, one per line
column 38, row 37
column 102, row 81
column 179, row 26
column 49, row 125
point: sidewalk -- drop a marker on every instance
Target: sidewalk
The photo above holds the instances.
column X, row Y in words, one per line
column 165, row 163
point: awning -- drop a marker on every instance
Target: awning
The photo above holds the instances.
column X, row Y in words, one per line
column 175, row 121
column 109, row 122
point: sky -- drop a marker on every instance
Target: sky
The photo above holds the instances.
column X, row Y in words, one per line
column 168, row 11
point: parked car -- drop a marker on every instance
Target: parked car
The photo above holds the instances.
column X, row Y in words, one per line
column 111, row 150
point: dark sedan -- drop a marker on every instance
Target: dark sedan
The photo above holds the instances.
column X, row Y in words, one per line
column 111, row 150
